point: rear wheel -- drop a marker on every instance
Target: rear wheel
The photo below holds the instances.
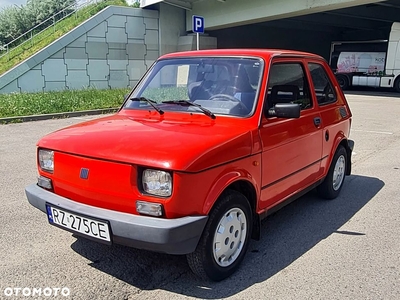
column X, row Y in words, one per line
column 225, row 238
column 343, row 81
column 333, row 182
column 397, row 84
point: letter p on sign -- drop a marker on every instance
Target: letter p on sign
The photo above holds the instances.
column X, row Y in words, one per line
column 198, row 24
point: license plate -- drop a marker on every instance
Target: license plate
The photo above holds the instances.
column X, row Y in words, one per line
column 90, row 227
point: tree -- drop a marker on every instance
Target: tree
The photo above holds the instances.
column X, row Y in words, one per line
column 16, row 20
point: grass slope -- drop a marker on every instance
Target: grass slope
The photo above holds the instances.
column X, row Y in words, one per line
column 49, row 35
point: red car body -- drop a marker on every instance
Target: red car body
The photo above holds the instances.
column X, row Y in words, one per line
column 268, row 159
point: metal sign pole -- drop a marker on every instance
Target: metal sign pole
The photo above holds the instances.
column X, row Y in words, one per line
column 198, row 27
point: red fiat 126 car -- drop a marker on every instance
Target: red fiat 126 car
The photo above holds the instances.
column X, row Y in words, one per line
column 203, row 148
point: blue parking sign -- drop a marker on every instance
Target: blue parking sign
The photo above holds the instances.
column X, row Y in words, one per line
column 198, row 24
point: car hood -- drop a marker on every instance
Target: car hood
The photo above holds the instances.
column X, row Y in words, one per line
column 191, row 145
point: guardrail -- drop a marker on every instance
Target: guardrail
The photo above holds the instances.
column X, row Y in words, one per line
column 28, row 37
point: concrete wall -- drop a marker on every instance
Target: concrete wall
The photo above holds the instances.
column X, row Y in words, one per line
column 113, row 49
column 224, row 14
column 172, row 26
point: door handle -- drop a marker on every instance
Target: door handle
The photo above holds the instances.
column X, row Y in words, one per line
column 317, row 121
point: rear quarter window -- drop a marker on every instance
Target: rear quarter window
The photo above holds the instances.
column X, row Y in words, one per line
column 323, row 87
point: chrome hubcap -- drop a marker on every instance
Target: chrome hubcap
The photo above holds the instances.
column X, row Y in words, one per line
column 229, row 237
column 338, row 172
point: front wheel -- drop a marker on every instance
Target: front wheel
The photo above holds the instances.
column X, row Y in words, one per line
column 333, row 182
column 225, row 238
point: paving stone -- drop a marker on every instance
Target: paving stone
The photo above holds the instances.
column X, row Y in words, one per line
column 31, row 81
column 117, row 45
column 12, row 87
column 116, row 35
column 59, row 54
column 118, row 79
column 77, row 79
column 98, row 31
column 99, row 84
column 152, row 54
column 151, row 23
column 98, row 70
column 96, row 39
column 75, row 53
column 151, row 39
column 117, row 54
column 55, row 86
column 96, row 50
column 118, row 64
column 54, row 70
column 136, row 50
column 76, row 64
column 116, row 21
column 136, row 69
column 135, row 27
column 79, row 42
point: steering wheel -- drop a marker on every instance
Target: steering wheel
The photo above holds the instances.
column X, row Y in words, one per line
column 224, row 97
column 242, row 108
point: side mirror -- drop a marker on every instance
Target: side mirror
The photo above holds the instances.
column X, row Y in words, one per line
column 285, row 110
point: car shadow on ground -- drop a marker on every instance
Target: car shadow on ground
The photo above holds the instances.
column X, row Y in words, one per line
column 286, row 236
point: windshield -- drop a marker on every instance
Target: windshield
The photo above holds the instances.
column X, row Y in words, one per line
column 223, row 86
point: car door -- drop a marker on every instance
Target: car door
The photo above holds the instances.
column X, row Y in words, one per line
column 331, row 109
column 291, row 148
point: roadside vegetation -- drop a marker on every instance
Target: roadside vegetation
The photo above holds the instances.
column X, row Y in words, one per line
column 26, row 104
column 15, row 21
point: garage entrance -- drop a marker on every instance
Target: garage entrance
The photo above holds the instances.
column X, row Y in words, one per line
column 315, row 32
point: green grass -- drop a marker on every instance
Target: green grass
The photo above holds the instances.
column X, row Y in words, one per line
column 166, row 93
column 26, row 104
column 49, row 35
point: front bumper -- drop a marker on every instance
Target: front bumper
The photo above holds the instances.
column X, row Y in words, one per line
column 172, row 236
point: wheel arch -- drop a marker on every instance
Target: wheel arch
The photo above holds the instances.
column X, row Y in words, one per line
column 345, row 143
column 340, row 140
column 246, row 188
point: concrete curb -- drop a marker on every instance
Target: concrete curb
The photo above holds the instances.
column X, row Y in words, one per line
column 57, row 115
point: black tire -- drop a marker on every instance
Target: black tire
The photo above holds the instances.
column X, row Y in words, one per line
column 203, row 262
column 397, row 84
column 343, row 81
column 333, row 182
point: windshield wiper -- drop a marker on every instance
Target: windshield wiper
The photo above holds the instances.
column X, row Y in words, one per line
column 149, row 101
column 187, row 103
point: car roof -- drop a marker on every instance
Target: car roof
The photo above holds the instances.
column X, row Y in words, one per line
column 265, row 53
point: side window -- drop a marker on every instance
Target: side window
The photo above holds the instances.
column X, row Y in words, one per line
column 323, row 86
column 287, row 84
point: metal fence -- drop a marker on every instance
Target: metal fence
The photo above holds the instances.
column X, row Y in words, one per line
column 28, row 38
